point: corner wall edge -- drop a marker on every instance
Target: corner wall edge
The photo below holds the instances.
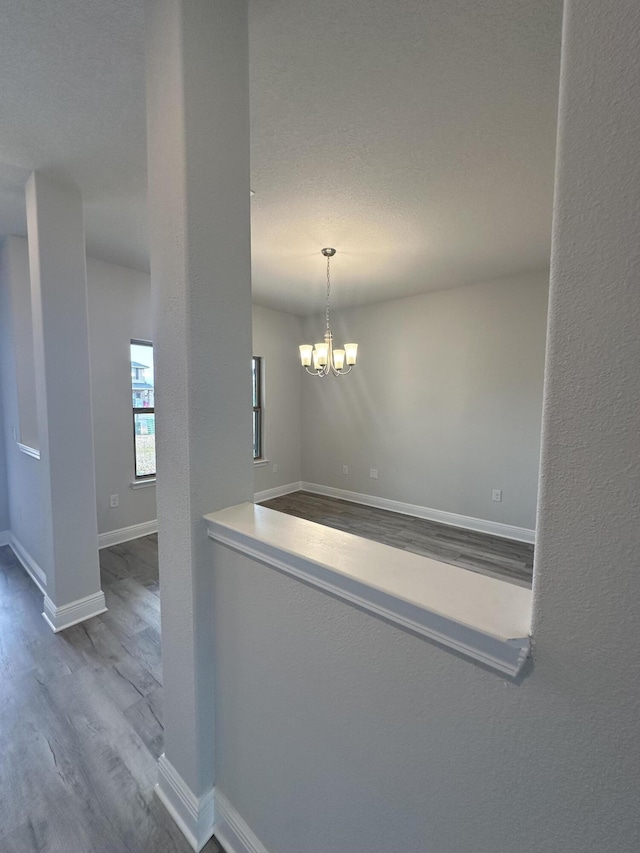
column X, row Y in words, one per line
column 193, row 815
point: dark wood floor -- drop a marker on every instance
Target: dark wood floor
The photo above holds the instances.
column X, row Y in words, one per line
column 479, row 552
column 81, row 716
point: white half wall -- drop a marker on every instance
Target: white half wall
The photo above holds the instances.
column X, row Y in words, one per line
column 445, row 401
column 276, row 337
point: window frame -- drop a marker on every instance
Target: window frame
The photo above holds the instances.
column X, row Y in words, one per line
column 257, row 369
column 147, row 410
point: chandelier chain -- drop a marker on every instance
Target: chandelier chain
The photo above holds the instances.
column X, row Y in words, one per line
column 328, row 291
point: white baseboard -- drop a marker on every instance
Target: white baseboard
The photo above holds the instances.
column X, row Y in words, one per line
column 193, row 815
column 495, row 528
column 125, row 534
column 268, row 494
column 30, row 566
column 5, row 537
column 231, row 830
column 59, row 618
column 467, row 522
column 29, row 451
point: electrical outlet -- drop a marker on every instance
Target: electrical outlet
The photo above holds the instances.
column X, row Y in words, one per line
column 275, row 467
column 496, row 495
column 345, row 469
column 114, row 501
column 373, row 473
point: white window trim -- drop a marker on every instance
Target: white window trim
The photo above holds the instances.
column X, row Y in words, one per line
column 143, row 484
column 28, row 451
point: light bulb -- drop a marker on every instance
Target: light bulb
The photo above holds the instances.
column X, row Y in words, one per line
column 305, row 354
column 351, row 351
column 323, row 353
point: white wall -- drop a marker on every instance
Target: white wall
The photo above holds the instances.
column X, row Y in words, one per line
column 336, row 731
column 119, row 311
column 24, row 483
column 25, row 365
column 4, row 331
column 276, row 337
column 445, row 401
column 4, row 495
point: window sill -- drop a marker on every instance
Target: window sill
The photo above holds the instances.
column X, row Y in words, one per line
column 28, row 451
column 143, row 484
column 258, row 463
column 480, row 617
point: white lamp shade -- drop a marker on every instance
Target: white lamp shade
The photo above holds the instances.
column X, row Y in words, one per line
column 338, row 359
column 323, row 353
column 305, row 354
column 316, row 362
column 351, row 351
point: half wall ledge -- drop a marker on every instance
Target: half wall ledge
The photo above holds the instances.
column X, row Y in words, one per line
column 483, row 618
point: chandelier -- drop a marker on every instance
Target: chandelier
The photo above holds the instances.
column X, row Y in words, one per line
column 325, row 358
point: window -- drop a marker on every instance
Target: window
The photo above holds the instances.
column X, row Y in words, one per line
column 256, row 374
column 144, row 417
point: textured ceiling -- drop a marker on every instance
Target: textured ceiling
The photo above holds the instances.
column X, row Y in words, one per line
column 415, row 136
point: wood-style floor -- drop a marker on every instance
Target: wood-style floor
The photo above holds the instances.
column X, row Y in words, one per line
column 81, row 716
column 479, row 552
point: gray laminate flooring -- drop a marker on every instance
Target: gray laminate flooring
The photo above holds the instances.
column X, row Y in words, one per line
column 81, row 716
column 479, row 552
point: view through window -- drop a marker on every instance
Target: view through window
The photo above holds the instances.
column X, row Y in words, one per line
column 144, row 418
column 256, row 374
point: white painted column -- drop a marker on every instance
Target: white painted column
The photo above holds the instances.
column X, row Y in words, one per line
column 586, row 577
column 63, row 392
column 198, row 167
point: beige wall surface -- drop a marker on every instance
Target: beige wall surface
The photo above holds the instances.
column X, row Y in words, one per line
column 445, row 401
column 276, row 337
column 119, row 312
column 23, row 476
column 4, row 495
